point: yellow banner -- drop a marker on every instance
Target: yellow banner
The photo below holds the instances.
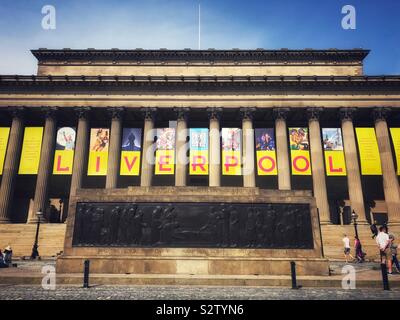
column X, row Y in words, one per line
column 63, row 162
column 97, row 165
column 395, row 133
column 130, row 163
column 266, row 163
column 165, row 162
column 98, row 154
column 4, row 134
column 64, row 154
column 335, row 163
column 369, row 152
column 231, row 163
column 31, row 147
column 301, row 164
column 198, row 162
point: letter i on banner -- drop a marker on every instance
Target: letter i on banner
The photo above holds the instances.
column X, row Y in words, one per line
column 165, row 151
column 130, row 151
column 231, row 151
column 265, row 149
column 395, row 133
column 64, row 154
column 198, row 151
column 335, row 164
column 31, row 147
column 98, row 153
column 4, row 134
column 300, row 151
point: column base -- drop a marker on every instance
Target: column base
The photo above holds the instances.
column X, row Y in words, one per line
column 4, row 220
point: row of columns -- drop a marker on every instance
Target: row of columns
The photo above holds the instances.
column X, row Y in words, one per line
column 390, row 179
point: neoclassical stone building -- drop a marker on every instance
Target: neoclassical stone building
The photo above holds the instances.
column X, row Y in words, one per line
column 298, row 94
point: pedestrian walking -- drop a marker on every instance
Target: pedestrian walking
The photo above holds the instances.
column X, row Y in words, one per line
column 347, row 249
column 383, row 241
column 393, row 250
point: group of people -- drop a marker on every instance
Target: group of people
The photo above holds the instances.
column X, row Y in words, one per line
column 360, row 254
column 6, row 257
column 386, row 245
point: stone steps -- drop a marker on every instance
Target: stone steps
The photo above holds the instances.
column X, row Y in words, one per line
column 22, row 236
column 332, row 236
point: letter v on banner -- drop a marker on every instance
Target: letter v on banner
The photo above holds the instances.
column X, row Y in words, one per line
column 131, row 150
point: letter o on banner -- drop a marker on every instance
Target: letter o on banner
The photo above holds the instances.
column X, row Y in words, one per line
column 269, row 160
column 304, row 160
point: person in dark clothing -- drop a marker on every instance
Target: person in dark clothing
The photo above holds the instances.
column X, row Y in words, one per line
column 2, row 263
column 7, row 256
column 358, row 248
column 374, row 230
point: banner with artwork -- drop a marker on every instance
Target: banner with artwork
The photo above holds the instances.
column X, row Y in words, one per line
column 231, row 151
column 130, row 151
column 300, row 151
column 4, row 134
column 369, row 153
column 265, row 151
column 31, row 147
column 64, row 154
column 98, row 151
column 395, row 133
column 165, row 151
column 198, row 157
column 335, row 164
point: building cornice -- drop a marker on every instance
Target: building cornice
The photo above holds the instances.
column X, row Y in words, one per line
column 234, row 55
column 71, row 84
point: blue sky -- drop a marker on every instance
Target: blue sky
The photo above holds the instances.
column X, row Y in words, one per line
column 172, row 24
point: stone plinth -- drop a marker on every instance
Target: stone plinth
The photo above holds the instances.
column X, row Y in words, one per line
column 199, row 261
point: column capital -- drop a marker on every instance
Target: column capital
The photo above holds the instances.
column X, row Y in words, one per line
column 182, row 113
column 149, row 113
column 17, row 112
column 314, row 113
column 82, row 112
column 381, row 113
column 116, row 112
column 280, row 113
column 347, row 113
column 50, row 112
column 214, row 113
column 247, row 113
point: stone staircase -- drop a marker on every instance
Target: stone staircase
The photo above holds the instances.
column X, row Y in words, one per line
column 332, row 236
column 22, row 236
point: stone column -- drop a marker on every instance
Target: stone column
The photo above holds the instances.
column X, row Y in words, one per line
column 180, row 149
column 282, row 148
column 40, row 201
column 11, row 164
column 148, row 147
column 214, row 115
column 390, row 180
column 249, row 174
column 81, row 149
column 352, row 166
column 114, row 152
column 317, row 165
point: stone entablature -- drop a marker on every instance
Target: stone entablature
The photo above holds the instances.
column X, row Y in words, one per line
column 200, row 62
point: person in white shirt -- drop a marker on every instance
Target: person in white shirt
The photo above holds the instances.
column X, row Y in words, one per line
column 346, row 242
column 383, row 241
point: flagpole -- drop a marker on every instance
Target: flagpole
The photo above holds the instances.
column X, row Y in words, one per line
column 199, row 27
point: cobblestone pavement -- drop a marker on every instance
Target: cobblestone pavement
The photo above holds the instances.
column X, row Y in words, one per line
column 186, row 293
